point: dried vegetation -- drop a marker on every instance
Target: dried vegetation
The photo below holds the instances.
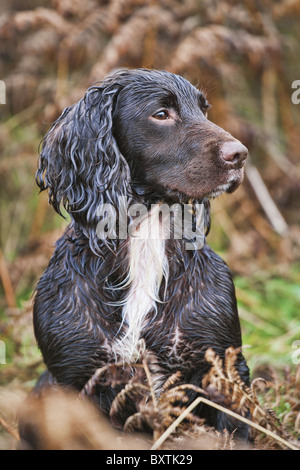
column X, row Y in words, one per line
column 141, row 419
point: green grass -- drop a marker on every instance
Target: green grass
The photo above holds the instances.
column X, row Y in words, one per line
column 269, row 307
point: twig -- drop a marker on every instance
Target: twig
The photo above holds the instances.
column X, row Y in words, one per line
column 198, row 400
column 7, row 284
column 174, row 425
column 266, row 201
column 9, row 428
column 281, row 159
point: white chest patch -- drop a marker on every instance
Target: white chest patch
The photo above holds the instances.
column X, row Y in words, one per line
column 148, row 265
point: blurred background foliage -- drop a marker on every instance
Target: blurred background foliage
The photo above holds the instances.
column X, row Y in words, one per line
column 245, row 56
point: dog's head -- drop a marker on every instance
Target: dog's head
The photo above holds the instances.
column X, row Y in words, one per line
column 139, row 132
column 162, row 129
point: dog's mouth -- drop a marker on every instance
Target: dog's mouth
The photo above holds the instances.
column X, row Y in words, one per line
column 229, row 187
column 180, row 193
column 223, row 188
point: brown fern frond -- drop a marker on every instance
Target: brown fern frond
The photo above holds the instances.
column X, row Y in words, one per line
column 178, row 394
column 257, row 384
column 90, row 386
column 228, row 438
column 231, row 355
column 225, row 387
column 40, row 17
column 171, row 381
column 117, row 374
column 129, row 39
column 169, row 415
column 217, row 368
column 134, row 423
column 126, row 402
column 214, row 44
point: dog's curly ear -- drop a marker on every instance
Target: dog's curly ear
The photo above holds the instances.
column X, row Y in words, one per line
column 80, row 163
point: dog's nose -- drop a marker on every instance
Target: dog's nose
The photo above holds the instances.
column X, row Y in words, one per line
column 234, row 152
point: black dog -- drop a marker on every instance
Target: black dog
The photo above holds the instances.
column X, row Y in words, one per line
column 141, row 136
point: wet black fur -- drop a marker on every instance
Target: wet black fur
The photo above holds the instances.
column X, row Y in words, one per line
column 108, row 146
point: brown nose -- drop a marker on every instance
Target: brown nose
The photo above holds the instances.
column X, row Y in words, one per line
column 234, row 153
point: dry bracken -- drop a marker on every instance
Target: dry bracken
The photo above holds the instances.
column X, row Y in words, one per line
column 135, row 410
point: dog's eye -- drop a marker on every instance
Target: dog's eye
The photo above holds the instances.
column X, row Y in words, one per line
column 205, row 108
column 161, row 115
